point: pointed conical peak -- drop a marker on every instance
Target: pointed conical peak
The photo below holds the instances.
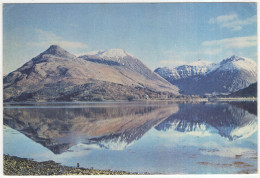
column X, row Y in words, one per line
column 58, row 51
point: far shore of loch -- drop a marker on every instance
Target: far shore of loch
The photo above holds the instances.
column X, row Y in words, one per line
column 190, row 99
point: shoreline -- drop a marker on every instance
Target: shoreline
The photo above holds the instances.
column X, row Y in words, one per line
column 140, row 100
column 233, row 99
column 16, row 166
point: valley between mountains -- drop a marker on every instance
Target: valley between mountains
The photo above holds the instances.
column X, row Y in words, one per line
column 57, row 75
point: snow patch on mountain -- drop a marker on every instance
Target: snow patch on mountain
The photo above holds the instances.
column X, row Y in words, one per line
column 115, row 143
column 203, row 129
column 202, row 67
column 194, row 129
column 109, row 54
column 244, row 132
column 238, row 63
column 196, row 68
column 168, row 72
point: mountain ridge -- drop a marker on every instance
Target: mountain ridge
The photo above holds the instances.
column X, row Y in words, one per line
column 225, row 77
column 57, row 75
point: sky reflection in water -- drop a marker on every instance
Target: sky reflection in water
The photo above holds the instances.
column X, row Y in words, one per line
column 156, row 137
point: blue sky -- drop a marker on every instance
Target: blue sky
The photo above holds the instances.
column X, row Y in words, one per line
column 164, row 34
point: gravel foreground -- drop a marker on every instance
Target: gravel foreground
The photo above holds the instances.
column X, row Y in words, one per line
column 21, row 166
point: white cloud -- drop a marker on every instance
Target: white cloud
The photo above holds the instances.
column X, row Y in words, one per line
column 46, row 38
column 232, row 22
column 212, row 50
column 236, row 42
column 228, row 46
column 223, row 18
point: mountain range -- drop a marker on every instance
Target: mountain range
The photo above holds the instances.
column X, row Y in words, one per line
column 57, row 75
column 205, row 78
column 114, row 74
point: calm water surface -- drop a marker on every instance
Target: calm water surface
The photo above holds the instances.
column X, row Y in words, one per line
column 155, row 137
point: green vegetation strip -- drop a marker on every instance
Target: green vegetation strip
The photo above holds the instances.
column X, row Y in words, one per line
column 21, row 166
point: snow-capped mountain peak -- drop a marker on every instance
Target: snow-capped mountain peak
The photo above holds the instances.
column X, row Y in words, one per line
column 168, row 72
column 232, row 59
column 202, row 77
column 117, row 53
column 110, row 53
column 238, row 63
column 199, row 67
column 235, row 58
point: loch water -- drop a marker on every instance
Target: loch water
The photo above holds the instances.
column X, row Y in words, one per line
column 159, row 137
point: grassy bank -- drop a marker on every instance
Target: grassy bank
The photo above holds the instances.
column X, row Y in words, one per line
column 21, row 166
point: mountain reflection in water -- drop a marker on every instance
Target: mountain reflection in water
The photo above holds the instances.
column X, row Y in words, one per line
column 234, row 120
column 58, row 129
column 116, row 126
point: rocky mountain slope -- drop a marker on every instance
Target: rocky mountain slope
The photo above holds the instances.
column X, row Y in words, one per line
column 250, row 91
column 203, row 78
column 57, row 75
